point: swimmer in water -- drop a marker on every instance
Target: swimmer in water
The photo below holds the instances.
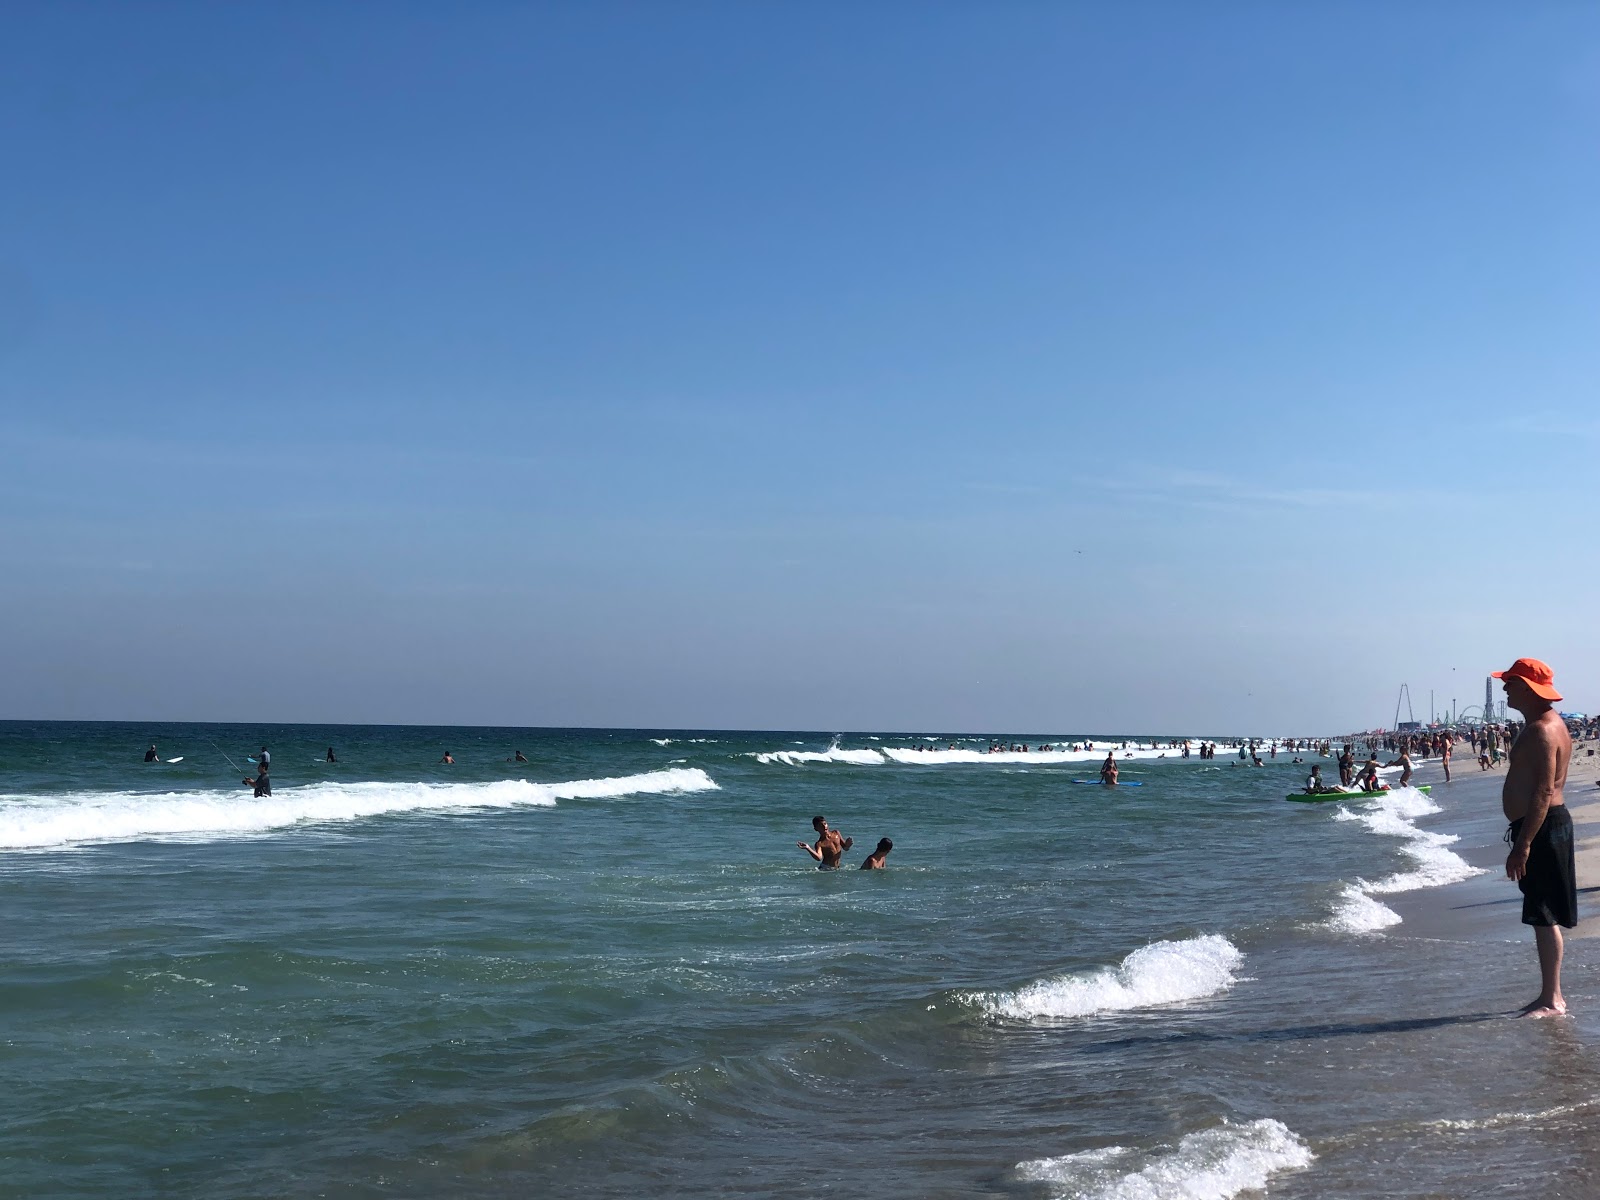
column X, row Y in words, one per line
column 830, row 846
column 875, row 859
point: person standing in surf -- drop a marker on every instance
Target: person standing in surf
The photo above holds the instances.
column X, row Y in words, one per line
column 830, row 846
column 150, row 755
column 1540, row 832
column 262, row 782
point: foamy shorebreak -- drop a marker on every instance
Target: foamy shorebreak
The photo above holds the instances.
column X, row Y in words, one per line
column 1213, row 1164
column 1153, row 975
column 1392, row 815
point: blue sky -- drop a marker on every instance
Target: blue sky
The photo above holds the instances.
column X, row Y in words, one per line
column 926, row 367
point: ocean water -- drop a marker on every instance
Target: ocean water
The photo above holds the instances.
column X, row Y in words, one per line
column 610, row 971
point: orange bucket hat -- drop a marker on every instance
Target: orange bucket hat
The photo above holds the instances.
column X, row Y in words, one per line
column 1535, row 674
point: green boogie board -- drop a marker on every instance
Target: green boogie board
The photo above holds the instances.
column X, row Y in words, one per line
column 1321, row 797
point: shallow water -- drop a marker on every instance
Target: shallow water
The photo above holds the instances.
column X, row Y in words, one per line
column 610, row 971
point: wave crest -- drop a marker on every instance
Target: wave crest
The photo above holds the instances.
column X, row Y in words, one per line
column 1214, row 1164
column 1160, row 973
column 57, row 822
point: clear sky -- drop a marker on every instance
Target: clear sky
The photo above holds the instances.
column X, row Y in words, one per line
column 1023, row 367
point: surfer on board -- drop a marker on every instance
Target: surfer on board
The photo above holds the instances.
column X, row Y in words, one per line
column 1108, row 770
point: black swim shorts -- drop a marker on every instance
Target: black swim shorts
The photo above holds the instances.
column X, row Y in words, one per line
column 1550, row 885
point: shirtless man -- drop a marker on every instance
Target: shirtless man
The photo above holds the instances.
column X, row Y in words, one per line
column 830, row 846
column 1541, row 859
column 1404, row 763
column 875, row 859
column 1108, row 771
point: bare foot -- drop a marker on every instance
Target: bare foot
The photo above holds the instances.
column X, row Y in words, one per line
column 1546, row 1011
column 1540, row 1009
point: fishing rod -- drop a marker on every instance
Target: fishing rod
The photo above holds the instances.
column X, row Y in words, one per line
column 224, row 754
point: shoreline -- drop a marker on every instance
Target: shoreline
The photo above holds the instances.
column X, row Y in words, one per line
column 1487, row 906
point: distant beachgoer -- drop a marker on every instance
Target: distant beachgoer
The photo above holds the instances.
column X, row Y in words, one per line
column 1255, row 760
column 1447, row 747
column 1108, row 771
column 1540, row 832
column 448, row 759
column 150, row 755
column 875, row 859
column 830, row 845
column 1404, row 763
column 331, row 758
column 520, row 757
column 264, row 758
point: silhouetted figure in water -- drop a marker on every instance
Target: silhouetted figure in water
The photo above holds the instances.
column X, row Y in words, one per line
column 262, row 782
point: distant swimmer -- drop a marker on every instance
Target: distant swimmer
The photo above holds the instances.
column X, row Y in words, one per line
column 264, row 759
column 331, row 758
column 150, row 755
column 1108, row 770
column 830, row 846
column 875, row 859
column 447, row 759
column 521, row 757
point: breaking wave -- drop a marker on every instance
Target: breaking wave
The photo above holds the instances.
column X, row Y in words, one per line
column 1160, row 973
column 1214, row 1164
column 1391, row 815
column 50, row 822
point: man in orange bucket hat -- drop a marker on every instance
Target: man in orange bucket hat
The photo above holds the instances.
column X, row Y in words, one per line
column 1540, row 836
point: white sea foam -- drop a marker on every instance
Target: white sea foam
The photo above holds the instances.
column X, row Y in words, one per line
column 1160, row 973
column 1391, row 815
column 874, row 756
column 48, row 822
column 1357, row 912
column 1214, row 1164
column 795, row 758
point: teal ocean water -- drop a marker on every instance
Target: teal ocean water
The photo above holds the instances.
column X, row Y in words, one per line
column 609, row 971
